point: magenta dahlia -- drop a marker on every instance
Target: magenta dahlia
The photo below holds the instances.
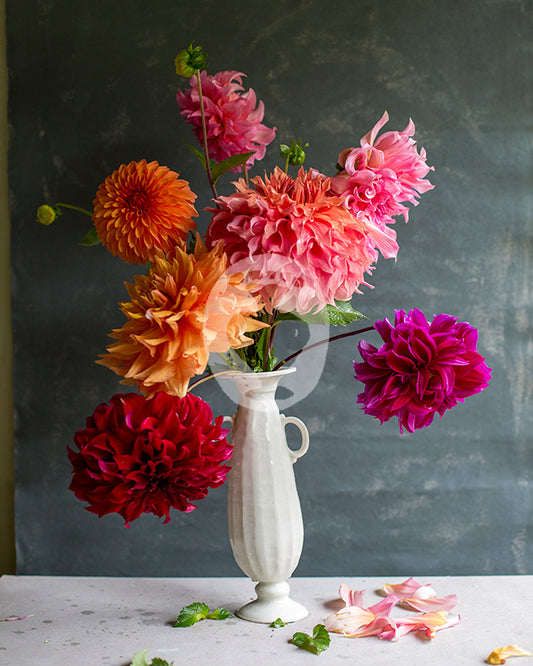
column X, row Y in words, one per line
column 233, row 116
column 380, row 177
column 139, row 455
column 421, row 369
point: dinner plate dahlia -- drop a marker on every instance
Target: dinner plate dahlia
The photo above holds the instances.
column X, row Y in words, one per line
column 421, row 369
column 139, row 455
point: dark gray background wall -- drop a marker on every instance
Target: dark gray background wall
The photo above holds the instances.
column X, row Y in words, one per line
column 92, row 86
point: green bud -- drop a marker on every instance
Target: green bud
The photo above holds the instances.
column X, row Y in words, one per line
column 46, row 214
column 295, row 154
column 190, row 60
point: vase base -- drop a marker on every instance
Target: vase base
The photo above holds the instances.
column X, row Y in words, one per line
column 272, row 603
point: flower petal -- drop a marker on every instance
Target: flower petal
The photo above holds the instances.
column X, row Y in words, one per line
column 499, row 655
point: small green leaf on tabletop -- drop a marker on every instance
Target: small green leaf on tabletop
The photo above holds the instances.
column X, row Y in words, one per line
column 141, row 659
column 277, row 623
column 219, row 614
column 192, row 614
column 316, row 643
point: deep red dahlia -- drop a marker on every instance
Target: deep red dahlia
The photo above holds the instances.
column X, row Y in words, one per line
column 421, row 369
column 139, row 455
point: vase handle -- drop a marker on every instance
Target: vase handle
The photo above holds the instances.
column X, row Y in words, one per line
column 231, row 419
column 304, row 432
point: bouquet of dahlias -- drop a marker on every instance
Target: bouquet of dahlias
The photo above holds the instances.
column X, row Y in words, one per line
column 285, row 246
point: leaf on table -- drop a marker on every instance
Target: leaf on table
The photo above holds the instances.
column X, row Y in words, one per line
column 499, row 655
column 219, row 614
column 141, row 659
column 192, row 614
column 277, row 623
column 316, row 643
column 197, row 611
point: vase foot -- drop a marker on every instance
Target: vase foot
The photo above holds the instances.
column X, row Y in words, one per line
column 272, row 602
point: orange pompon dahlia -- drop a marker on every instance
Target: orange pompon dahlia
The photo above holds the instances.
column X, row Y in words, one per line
column 141, row 208
column 183, row 309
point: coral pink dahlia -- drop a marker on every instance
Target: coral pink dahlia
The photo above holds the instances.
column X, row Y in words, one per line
column 421, row 369
column 294, row 239
column 233, row 116
column 139, row 455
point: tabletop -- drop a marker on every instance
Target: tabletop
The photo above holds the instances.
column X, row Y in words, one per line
column 89, row 621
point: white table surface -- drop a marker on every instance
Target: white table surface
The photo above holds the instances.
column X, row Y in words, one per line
column 93, row 621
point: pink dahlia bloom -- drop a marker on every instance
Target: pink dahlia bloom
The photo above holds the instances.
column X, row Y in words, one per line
column 380, row 177
column 296, row 241
column 233, row 116
column 139, row 455
column 421, row 369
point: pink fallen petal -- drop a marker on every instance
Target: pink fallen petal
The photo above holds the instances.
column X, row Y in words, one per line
column 12, row 619
column 383, row 607
column 375, row 628
column 450, row 622
column 433, row 603
column 409, row 589
column 348, row 620
column 351, row 597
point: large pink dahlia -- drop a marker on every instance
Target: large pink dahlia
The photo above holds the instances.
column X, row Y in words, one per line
column 139, row 455
column 233, row 116
column 380, row 177
column 294, row 239
column 421, row 369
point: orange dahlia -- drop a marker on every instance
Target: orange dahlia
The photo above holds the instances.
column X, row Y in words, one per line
column 183, row 309
column 141, row 208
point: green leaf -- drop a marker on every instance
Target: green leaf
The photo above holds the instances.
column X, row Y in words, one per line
column 140, row 659
column 341, row 314
column 192, row 614
column 219, row 614
column 277, row 623
column 161, row 662
column 220, row 168
column 91, row 238
column 199, row 154
column 316, row 643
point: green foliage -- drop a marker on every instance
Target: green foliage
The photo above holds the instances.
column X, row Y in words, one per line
column 91, row 238
column 197, row 611
column 293, row 154
column 220, row 168
column 316, row 643
column 277, row 623
column 141, row 659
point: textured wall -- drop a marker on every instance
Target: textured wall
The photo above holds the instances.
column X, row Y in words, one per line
column 92, row 86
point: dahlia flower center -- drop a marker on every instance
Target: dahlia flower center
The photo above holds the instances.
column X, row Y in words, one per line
column 138, row 202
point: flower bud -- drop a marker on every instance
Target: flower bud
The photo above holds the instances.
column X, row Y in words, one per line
column 190, row 60
column 295, row 153
column 46, row 214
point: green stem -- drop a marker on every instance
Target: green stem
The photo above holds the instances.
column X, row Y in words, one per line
column 270, row 338
column 287, row 164
column 80, row 210
column 204, row 137
column 323, row 342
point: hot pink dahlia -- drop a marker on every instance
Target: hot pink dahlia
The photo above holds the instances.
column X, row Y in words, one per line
column 380, row 177
column 422, row 368
column 139, row 455
column 233, row 116
column 294, row 239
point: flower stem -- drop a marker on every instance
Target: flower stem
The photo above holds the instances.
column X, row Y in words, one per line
column 323, row 342
column 270, row 338
column 211, row 376
column 80, row 210
column 204, row 137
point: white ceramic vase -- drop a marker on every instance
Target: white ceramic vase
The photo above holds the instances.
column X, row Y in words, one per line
column 264, row 515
